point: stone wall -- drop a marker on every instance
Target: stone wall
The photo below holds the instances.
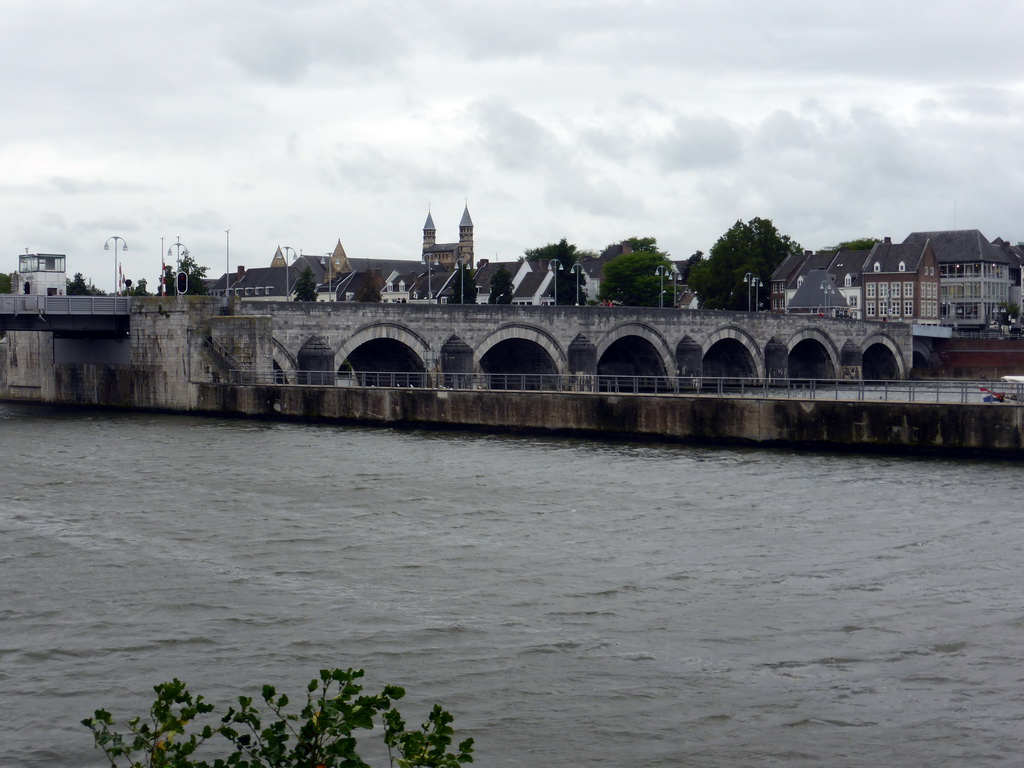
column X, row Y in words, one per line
column 826, row 424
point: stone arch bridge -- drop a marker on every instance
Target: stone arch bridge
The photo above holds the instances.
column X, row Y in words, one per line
column 623, row 341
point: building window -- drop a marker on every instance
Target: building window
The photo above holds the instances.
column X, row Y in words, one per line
column 903, row 266
column 908, row 309
column 895, row 293
column 853, row 302
column 849, row 280
column 870, row 308
column 908, row 290
column 878, row 267
column 883, row 290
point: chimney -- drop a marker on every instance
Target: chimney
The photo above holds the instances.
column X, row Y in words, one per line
column 808, row 253
column 888, row 241
column 240, row 273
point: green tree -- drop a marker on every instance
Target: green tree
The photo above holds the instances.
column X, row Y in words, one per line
column 179, row 727
column 859, row 244
column 563, row 250
column 141, row 288
column 501, row 287
column 370, row 291
column 463, row 285
column 196, row 276
column 305, row 286
column 632, row 279
column 77, row 286
column 6, row 282
column 684, row 272
column 756, row 247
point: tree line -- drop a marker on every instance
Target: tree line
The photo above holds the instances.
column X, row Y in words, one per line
column 642, row 276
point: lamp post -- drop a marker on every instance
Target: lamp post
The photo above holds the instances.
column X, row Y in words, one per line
column 179, row 251
column 661, row 270
column 675, row 286
column 462, row 276
column 287, row 271
column 578, row 269
column 749, row 280
column 828, row 289
column 554, row 272
column 124, row 247
column 757, row 293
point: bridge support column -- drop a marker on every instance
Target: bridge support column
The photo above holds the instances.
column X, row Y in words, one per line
column 689, row 358
column 776, row 360
column 851, row 361
column 457, row 363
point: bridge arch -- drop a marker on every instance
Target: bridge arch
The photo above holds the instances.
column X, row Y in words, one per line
column 518, row 344
column 812, row 355
column 619, row 354
column 882, row 358
column 385, row 347
column 285, row 363
column 732, row 352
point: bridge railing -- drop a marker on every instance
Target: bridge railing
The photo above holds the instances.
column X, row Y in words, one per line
column 18, row 304
column 927, row 391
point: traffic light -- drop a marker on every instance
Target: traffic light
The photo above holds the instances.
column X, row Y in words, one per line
column 182, row 283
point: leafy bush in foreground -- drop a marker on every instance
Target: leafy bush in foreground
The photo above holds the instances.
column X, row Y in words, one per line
column 321, row 735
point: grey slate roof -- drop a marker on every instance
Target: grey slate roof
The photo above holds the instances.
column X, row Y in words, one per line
column 889, row 256
column 429, row 224
column 466, row 220
column 811, row 295
column 961, row 246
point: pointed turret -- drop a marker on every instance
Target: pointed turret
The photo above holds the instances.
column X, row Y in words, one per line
column 339, row 261
column 279, row 260
column 429, row 233
column 466, row 238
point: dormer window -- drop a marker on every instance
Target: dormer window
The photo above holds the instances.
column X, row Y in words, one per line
column 878, row 267
column 849, row 280
column 799, row 282
column 903, row 266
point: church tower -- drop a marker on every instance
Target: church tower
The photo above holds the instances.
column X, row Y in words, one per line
column 429, row 234
column 466, row 239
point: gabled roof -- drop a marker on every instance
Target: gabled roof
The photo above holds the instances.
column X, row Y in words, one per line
column 889, row 257
column 813, row 292
column 961, row 246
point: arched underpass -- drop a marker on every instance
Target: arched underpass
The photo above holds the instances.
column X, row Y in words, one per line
column 810, row 360
column 728, row 358
column 518, row 364
column 384, row 361
column 880, row 364
column 636, row 358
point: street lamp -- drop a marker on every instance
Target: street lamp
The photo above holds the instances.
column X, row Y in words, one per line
column 661, row 270
column 287, row 271
column 749, row 280
column 179, row 251
column 553, row 271
column 430, row 290
column 757, row 293
column 829, row 289
column 124, row 247
column 462, row 276
column 578, row 269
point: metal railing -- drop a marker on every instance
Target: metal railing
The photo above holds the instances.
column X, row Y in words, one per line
column 926, row 391
column 16, row 304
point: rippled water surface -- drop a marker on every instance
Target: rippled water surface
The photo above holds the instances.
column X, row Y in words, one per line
column 572, row 603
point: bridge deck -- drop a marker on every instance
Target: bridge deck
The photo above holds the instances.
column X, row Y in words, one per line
column 77, row 315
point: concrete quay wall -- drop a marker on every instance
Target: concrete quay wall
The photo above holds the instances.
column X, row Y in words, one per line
column 838, row 425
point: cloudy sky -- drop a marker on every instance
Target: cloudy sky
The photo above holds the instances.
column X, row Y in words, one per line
column 300, row 123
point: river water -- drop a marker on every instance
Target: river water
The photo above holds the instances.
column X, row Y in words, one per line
column 572, row 603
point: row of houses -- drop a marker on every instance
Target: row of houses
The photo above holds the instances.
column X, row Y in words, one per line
column 435, row 278
column 957, row 278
